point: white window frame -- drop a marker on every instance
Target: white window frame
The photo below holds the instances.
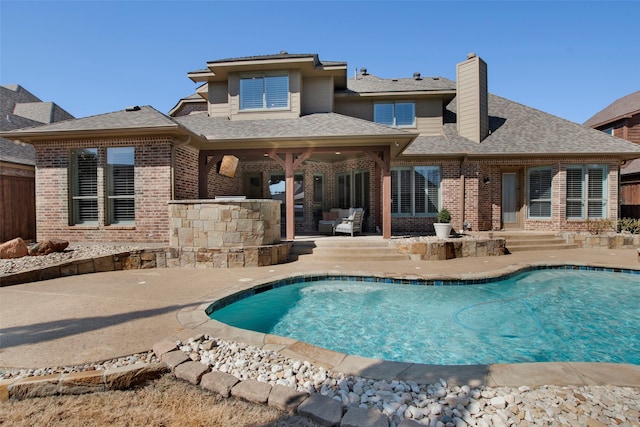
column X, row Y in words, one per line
column 396, row 184
column 394, row 105
column 585, row 200
column 531, row 200
column 263, row 77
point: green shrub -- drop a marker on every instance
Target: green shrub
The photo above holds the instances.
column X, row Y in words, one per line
column 444, row 215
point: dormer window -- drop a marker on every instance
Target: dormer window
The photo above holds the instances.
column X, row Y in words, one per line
column 396, row 114
column 264, row 91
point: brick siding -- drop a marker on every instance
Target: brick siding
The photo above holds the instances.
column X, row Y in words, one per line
column 152, row 191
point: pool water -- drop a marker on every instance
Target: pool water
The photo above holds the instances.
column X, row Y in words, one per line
column 539, row 316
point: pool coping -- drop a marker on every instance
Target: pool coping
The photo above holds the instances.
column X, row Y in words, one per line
column 492, row 375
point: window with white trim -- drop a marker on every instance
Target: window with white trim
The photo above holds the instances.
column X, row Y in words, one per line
column 586, row 191
column 120, row 185
column 539, row 192
column 83, row 186
column 415, row 191
column 264, row 91
column 396, row 114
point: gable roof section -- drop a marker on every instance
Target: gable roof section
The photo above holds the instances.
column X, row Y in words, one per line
column 518, row 130
column 621, row 108
column 138, row 120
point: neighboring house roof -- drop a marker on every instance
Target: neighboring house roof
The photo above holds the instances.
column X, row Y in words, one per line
column 632, row 167
column 368, row 83
column 19, row 108
column 621, row 108
column 516, row 129
column 319, row 125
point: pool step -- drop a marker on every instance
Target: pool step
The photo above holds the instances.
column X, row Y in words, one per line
column 520, row 242
column 341, row 249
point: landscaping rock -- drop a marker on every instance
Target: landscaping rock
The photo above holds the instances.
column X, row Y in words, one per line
column 321, row 409
column 286, row 398
column 219, row 382
column 252, row 391
column 364, row 417
column 15, row 248
column 191, row 371
column 48, row 246
column 163, row 347
column 174, row 358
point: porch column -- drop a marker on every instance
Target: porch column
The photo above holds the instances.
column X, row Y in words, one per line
column 204, row 167
column 289, row 199
column 386, row 203
column 383, row 162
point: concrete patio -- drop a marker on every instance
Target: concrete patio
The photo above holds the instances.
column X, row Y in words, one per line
column 89, row 318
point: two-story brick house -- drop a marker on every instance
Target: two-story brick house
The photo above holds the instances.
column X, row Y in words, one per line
column 305, row 132
column 621, row 118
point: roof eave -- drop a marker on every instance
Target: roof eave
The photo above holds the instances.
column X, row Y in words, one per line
column 30, row 137
column 396, row 93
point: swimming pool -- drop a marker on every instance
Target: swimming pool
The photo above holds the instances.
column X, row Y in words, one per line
column 537, row 316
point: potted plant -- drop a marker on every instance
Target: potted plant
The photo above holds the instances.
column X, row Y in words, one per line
column 443, row 226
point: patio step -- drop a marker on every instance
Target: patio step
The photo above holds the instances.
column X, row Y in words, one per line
column 345, row 249
column 521, row 242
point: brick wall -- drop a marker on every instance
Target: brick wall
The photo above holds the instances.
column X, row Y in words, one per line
column 152, row 191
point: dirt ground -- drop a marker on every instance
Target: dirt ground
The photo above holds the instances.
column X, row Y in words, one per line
column 165, row 402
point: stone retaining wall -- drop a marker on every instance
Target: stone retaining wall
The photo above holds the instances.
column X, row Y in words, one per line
column 610, row 240
column 430, row 249
column 257, row 256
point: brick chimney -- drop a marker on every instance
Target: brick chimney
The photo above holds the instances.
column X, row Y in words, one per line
column 472, row 98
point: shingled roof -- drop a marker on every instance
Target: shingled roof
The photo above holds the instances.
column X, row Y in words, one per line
column 627, row 105
column 320, row 125
column 368, row 83
column 518, row 130
column 144, row 118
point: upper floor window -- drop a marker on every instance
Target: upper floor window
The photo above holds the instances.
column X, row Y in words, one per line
column 608, row 131
column 264, row 92
column 396, row 114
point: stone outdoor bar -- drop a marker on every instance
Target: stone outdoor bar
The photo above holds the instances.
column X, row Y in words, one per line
column 227, row 232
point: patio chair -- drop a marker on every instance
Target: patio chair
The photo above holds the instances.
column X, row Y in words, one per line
column 352, row 224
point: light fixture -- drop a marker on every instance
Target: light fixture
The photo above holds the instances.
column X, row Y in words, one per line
column 486, row 180
column 337, row 152
column 266, row 154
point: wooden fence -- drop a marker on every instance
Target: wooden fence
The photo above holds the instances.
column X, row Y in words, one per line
column 17, row 208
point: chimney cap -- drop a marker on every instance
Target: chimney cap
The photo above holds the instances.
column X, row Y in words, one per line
column 471, row 55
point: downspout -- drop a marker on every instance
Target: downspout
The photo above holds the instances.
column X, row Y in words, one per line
column 173, row 165
column 462, row 194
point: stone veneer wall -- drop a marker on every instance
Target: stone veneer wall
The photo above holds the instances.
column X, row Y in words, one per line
column 235, row 223
column 609, row 240
column 432, row 250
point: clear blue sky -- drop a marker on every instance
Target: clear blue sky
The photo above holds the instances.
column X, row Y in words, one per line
column 568, row 58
